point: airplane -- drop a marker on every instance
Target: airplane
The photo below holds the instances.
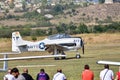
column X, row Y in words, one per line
column 109, row 63
column 57, row 44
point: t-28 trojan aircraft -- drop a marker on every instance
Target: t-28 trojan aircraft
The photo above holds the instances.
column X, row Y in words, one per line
column 56, row 44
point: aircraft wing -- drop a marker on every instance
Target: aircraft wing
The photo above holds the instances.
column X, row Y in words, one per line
column 51, row 47
column 10, row 53
column 109, row 62
column 31, row 57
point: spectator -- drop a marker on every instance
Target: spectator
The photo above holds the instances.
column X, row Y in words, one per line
column 16, row 74
column 87, row 74
column 118, row 75
column 106, row 74
column 59, row 75
column 26, row 75
column 9, row 76
column 42, row 75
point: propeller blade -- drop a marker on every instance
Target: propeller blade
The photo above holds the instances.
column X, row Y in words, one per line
column 82, row 45
column 83, row 48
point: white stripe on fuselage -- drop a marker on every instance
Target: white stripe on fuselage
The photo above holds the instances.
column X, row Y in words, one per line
column 38, row 46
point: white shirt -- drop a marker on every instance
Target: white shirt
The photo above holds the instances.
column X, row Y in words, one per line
column 20, row 77
column 9, row 77
column 59, row 76
column 108, row 74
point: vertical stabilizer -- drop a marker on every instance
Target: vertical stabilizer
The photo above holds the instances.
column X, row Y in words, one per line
column 16, row 39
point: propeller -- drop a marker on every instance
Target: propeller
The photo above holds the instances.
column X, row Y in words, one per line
column 82, row 45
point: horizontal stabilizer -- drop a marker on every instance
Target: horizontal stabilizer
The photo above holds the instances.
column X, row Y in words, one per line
column 31, row 57
column 109, row 62
column 21, row 45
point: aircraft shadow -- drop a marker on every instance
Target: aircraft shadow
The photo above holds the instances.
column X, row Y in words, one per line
column 76, row 58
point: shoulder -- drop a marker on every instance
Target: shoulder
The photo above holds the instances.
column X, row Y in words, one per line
column 62, row 74
column 38, row 74
column 118, row 72
column 91, row 72
column 46, row 73
column 23, row 74
column 102, row 72
column 21, row 77
column 110, row 71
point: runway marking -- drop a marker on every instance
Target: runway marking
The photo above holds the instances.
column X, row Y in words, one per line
column 35, row 65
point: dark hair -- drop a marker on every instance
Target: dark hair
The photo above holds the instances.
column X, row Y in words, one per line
column 59, row 70
column 42, row 70
column 86, row 66
column 106, row 66
column 14, row 70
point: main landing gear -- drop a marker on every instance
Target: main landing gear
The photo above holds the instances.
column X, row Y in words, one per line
column 59, row 52
column 78, row 55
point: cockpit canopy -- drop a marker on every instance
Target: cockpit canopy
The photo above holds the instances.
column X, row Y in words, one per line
column 59, row 36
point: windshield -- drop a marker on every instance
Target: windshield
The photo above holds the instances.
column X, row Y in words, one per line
column 59, row 36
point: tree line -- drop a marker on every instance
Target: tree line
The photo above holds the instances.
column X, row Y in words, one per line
column 5, row 32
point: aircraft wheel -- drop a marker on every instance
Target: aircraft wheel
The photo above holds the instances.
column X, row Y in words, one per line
column 63, row 57
column 78, row 56
column 56, row 58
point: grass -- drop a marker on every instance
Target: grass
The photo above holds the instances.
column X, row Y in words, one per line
column 106, row 49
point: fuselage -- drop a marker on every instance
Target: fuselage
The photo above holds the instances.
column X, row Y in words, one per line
column 69, row 43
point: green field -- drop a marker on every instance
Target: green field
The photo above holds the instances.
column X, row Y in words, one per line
column 101, row 49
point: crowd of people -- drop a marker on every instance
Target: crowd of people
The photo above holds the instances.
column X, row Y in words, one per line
column 105, row 74
column 13, row 74
column 87, row 74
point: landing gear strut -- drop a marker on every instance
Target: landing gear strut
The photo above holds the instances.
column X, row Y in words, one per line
column 59, row 52
column 63, row 54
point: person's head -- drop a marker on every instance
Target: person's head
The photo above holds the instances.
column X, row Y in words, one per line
column 25, row 70
column 86, row 66
column 9, row 71
column 15, row 72
column 106, row 66
column 59, row 70
column 42, row 70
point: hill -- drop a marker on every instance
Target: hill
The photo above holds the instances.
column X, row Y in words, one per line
column 93, row 14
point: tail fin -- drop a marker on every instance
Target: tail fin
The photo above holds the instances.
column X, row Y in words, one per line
column 16, row 39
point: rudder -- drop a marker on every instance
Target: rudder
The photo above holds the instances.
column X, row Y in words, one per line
column 16, row 39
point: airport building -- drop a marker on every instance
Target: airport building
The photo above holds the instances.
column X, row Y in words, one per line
column 116, row 0
column 111, row 1
column 108, row 1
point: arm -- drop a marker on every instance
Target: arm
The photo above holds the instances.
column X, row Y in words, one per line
column 65, row 77
column 48, row 78
column 31, row 77
column 37, row 76
column 92, row 76
column 112, row 75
